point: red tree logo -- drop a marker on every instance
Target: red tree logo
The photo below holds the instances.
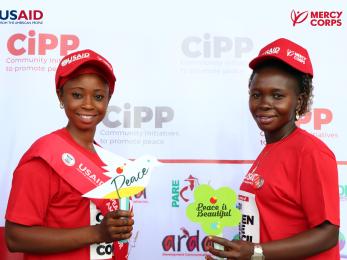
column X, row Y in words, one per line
column 298, row 17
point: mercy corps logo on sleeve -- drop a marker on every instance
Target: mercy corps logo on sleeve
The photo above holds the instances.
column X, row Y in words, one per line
column 21, row 17
column 317, row 18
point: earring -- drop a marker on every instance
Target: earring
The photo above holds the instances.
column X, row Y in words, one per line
column 297, row 116
column 61, row 105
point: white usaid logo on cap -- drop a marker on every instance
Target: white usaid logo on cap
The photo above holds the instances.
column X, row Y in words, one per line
column 75, row 58
column 68, row 159
column 296, row 56
column 274, row 50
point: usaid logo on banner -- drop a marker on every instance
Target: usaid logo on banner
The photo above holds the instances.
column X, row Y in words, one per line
column 21, row 17
column 68, row 159
column 317, row 18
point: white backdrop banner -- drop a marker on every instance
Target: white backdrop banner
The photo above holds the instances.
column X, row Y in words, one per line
column 181, row 93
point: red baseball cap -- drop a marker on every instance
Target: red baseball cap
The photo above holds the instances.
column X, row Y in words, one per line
column 71, row 62
column 286, row 51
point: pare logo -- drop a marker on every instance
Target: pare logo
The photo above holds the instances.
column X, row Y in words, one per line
column 317, row 18
column 208, row 46
column 184, row 192
column 135, row 117
column 41, row 43
column 319, row 117
column 21, row 15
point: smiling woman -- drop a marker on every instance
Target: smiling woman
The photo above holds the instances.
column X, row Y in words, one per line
column 291, row 191
column 85, row 99
column 274, row 100
column 47, row 218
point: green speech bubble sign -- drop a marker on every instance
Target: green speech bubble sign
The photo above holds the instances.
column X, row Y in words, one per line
column 214, row 209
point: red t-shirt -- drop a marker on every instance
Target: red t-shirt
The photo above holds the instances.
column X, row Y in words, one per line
column 294, row 184
column 40, row 197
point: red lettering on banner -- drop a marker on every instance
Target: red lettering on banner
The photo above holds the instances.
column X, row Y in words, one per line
column 318, row 18
column 39, row 13
column 321, row 116
column 326, row 15
column 47, row 42
column 68, row 42
column 11, row 44
column 30, row 15
column 17, row 44
column 22, row 15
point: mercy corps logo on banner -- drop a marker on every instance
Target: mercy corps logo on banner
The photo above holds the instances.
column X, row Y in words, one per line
column 317, row 18
column 21, row 17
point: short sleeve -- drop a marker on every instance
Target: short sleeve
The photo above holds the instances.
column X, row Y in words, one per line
column 30, row 193
column 319, row 188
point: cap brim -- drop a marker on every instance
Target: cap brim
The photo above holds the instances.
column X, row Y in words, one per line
column 108, row 74
column 96, row 63
column 260, row 59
